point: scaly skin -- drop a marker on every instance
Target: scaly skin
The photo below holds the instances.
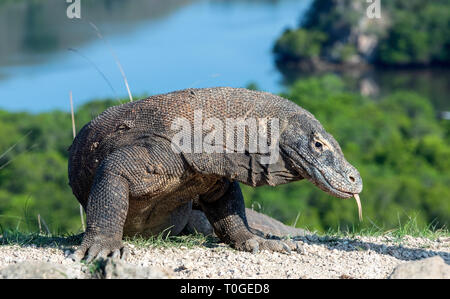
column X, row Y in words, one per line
column 258, row 223
column 130, row 181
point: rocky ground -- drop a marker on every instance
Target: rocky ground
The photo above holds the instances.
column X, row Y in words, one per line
column 322, row 257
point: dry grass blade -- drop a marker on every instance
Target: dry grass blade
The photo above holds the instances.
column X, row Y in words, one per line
column 40, row 219
column 115, row 58
column 74, row 131
column 14, row 145
column 11, row 148
column 96, row 68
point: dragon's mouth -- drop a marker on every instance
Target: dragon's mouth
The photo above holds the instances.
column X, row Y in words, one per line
column 321, row 181
column 315, row 175
column 339, row 193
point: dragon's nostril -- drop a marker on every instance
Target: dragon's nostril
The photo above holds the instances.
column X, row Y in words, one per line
column 352, row 179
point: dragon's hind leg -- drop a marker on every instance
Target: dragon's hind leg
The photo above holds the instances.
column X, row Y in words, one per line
column 225, row 210
column 258, row 223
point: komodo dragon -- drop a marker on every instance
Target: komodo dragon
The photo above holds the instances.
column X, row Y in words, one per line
column 131, row 178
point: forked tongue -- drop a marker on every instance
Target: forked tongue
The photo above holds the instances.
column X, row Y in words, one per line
column 358, row 202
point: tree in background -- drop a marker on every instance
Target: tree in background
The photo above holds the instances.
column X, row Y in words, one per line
column 339, row 33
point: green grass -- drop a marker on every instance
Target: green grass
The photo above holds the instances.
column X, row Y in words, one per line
column 16, row 237
column 96, row 268
column 162, row 241
column 410, row 228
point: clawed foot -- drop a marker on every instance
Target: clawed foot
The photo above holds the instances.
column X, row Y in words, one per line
column 256, row 243
column 98, row 247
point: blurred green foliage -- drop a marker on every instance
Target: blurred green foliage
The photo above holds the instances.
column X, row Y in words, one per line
column 298, row 44
column 33, row 168
column 401, row 149
column 410, row 32
column 420, row 33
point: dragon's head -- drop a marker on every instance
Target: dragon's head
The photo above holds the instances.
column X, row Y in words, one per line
column 317, row 156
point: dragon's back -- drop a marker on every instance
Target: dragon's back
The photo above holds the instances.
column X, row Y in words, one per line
column 135, row 122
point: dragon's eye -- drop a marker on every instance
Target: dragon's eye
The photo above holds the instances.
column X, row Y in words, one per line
column 318, row 144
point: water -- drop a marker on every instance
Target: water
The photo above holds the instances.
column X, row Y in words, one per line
column 162, row 46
